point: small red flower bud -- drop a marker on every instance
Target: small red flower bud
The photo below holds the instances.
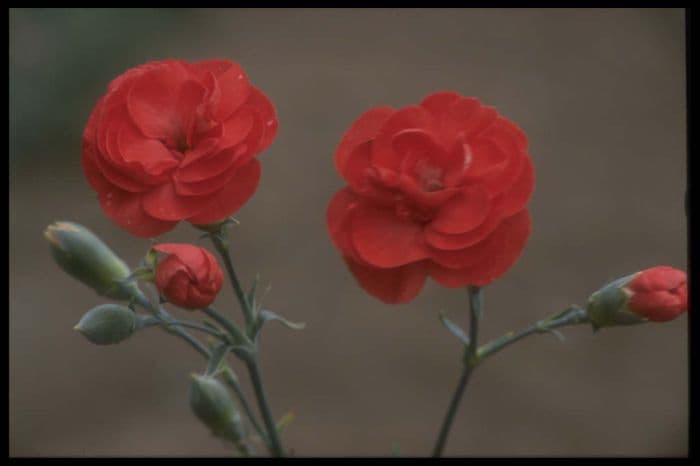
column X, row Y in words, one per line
column 659, row 294
column 189, row 277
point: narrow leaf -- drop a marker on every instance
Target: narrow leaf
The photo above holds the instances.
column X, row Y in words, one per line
column 266, row 315
column 455, row 329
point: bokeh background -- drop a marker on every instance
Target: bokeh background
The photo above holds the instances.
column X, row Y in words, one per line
column 601, row 95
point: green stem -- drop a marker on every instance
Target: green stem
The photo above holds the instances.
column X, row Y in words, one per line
column 572, row 316
column 192, row 325
column 235, row 386
column 470, row 362
column 236, row 333
column 222, row 248
column 275, row 442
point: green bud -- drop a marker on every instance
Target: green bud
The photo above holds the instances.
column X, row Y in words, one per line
column 608, row 306
column 211, row 403
column 107, row 324
column 85, row 257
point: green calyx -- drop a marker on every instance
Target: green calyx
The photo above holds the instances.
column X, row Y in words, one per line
column 608, row 306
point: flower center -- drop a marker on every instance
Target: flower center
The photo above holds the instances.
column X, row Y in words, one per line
column 429, row 177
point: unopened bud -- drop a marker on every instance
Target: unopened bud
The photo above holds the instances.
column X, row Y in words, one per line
column 657, row 294
column 107, row 324
column 211, row 403
column 85, row 257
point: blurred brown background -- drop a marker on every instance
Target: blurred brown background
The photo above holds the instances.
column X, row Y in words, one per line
column 601, row 94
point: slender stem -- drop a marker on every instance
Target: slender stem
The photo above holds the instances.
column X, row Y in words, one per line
column 141, row 299
column 196, row 344
column 452, row 411
column 230, row 327
column 223, row 250
column 235, row 386
column 275, row 442
column 470, row 362
column 192, row 325
column 572, row 316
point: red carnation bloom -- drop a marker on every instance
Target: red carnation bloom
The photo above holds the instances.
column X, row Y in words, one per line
column 173, row 141
column 659, row 293
column 438, row 189
column 189, row 277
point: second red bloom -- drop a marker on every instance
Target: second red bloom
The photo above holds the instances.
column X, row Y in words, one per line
column 438, row 189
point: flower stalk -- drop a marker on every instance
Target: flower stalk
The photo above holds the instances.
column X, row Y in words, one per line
column 250, row 358
column 470, row 362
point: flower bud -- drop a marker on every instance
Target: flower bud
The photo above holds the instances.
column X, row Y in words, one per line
column 211, row 403
column 657, row 294
column 85, row 257
column 189, row 277
column 107, row 324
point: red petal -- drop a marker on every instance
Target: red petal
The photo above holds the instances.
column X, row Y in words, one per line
column 124, row 209
column 438, row 102
column 393, row 286
column 206, row 186
column 232, row 197
column 164, row 203
column 417, row 149
column 149, row 154
column 258, row 102
column 88, row 154
column 208, row 167
column 356, row 166
column 338, row 217
column 167, row 269
column 518, row 194
column 237, row 128
column 659, row 306
column 658, row 278
column 189, row 255
column 152, row 99
column 204, row 148
column 465, row 211
column 413, row 117
column 489, row 259
column 235, row 89
column 485, row 156
column 198, row 298
column 384, row 240
column 362, row 130
column 446, row 241
column 177, row 290
column 215, row 66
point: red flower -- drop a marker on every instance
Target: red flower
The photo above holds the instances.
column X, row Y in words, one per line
column 658, row 294
column 438, row 189
column 189, row 277
column 173, row 141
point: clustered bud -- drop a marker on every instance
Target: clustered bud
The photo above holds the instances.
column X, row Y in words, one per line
column 658, row 294
column 212, row 404
column 107, row 324
column 85, row 257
